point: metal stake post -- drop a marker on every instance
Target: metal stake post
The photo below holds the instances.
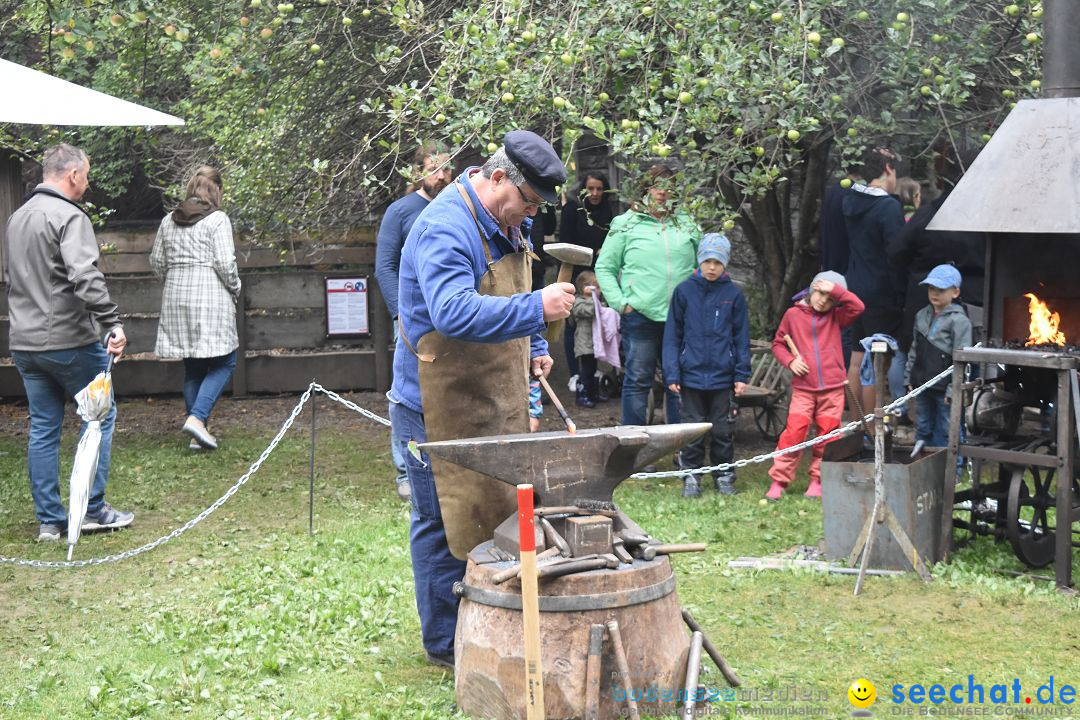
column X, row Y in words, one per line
column 311, row 469
column 881, row 512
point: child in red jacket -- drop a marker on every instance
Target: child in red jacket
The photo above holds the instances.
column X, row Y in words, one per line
column 813, row 325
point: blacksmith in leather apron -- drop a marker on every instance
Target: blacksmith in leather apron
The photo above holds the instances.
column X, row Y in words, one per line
column 466, row 385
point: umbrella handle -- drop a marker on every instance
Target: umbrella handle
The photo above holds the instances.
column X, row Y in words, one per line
column 109, row 363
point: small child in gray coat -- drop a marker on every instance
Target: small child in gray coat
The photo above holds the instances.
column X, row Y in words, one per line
column 584, row 312
column 940, row 328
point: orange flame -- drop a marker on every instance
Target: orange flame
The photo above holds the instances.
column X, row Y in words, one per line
column 1043, row 328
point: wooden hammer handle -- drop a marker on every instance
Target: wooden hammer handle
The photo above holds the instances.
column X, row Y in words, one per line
column 791, row 346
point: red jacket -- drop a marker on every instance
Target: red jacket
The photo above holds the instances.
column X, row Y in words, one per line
column 817, row 336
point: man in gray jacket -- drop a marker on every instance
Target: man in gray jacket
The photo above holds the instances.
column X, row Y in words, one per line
column 63, row 327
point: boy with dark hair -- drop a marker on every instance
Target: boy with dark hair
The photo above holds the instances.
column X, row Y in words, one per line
column 940, row 328
column 812, row 328
column 706, row 358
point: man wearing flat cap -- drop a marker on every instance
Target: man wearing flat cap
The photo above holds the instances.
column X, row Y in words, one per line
column 470, row 338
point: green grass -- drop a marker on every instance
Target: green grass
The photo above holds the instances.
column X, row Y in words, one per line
column 246, row 616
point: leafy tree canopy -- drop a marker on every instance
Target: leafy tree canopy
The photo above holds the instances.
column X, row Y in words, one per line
column 312, row 109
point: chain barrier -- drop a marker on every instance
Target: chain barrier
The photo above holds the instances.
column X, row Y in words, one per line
column 315, row 387
column 842, row 430
column 187, row 526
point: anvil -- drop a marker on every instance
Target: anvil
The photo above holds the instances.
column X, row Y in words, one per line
column 582, row 469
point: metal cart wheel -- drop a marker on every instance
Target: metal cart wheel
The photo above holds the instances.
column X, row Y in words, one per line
column 1026, row 519
column 771, row 417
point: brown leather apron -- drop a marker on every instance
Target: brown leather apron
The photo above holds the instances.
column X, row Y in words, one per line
column 471, row 389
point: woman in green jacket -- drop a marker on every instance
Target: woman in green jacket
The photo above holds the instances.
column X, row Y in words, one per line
column 649, row 250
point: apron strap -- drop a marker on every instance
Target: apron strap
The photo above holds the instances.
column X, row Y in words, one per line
column 425, row 357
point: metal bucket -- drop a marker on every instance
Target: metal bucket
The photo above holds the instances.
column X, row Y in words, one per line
column 913, row 491
column 490, row 667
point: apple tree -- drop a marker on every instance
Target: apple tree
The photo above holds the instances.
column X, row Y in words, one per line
column 312, row 108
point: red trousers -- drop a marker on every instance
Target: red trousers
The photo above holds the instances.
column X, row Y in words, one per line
column 824, row 409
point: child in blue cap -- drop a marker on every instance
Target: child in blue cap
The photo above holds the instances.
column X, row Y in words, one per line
column 706, row 358
column 940, row 328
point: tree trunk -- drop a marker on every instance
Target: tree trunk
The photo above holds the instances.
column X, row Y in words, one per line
column 782, row 227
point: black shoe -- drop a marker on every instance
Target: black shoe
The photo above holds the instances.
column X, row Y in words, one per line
column 583, row 400
column 691, row 487
column 726, row 487
column 445, row 660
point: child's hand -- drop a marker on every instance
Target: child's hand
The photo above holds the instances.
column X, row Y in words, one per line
column 825, row 286
column 799, row 367
column 675, row 388
column 740, row 388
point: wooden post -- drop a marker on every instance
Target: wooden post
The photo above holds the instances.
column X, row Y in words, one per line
column 239, row 378
column 381, row 337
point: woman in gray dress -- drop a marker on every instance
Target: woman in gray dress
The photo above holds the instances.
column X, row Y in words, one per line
column 193, row 253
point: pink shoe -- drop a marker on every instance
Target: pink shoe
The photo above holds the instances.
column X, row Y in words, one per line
column 776, row 490
column 814, row 491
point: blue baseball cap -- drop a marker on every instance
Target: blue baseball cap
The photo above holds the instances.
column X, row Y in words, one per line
column 943, row 277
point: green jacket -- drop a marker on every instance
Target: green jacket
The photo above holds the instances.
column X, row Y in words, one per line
column 643, row 259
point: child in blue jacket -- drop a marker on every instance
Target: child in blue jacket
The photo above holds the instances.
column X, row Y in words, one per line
column 706, row 358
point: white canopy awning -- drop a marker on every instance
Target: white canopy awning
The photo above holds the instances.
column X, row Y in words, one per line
column 36, row 98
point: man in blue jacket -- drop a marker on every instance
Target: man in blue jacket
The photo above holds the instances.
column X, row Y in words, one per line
column 470, row 338
column 706, row 358
column 433, row 163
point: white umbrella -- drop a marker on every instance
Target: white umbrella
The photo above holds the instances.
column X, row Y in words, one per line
column 94, row 401
column 37, row 98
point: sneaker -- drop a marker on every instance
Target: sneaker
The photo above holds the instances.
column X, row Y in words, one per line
column 572, row 385
column 107, row 518
column 194, row 427
column 404, row 490
column 691, row 487
column 583, row 400
column 194, row 445
column 725, row 485
column 49, row 532
column 445, row 660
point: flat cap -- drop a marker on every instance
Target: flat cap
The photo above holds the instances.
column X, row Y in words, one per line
column 537, row 161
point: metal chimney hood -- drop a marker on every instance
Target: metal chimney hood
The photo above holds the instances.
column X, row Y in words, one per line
column 1026, row 179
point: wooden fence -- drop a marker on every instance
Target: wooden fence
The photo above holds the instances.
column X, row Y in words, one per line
column 281, row 318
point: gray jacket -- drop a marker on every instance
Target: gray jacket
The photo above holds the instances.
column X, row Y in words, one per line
column 57, row 297
column 934, row 340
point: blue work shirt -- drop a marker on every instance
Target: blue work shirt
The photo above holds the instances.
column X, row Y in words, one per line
column 393, row 230
column 442, row 264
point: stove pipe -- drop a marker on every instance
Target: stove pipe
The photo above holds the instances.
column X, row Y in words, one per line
column 1025, row 179
column 1061, row 48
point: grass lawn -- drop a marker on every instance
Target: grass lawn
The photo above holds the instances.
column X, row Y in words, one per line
column 246, row 616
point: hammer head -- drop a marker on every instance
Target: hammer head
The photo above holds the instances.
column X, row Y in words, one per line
column 569, row 254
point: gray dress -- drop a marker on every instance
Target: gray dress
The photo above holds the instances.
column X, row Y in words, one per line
column 198, row 305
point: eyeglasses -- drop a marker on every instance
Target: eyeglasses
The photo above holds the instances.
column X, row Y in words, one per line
column 535, row 204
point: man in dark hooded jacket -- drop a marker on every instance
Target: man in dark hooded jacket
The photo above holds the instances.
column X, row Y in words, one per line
column 872, row 215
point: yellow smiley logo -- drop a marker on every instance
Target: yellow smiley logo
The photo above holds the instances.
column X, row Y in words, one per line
column 862, row 693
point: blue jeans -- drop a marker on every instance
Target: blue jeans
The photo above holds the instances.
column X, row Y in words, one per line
column 435, row 570
column 932, row 418
column 51, row 378
column 896, row 378
column 204, row 381
column 642, row 340
column 397, row 449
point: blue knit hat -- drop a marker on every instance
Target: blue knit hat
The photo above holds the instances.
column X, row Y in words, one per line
column 714, row 246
